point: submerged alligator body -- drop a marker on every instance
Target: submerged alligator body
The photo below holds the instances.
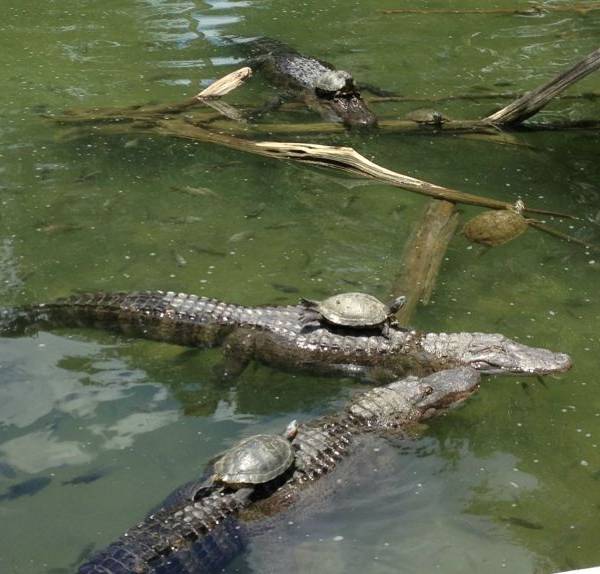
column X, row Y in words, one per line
column 198, row 530
column 296, row 73
column 277, row 335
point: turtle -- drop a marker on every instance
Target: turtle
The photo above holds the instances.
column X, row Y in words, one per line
column 354, row 310
column 334, row 82
column 427, row 117
column 497, row 226
column 255, row 460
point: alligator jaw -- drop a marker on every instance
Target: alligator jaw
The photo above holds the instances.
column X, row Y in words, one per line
column 495, row 354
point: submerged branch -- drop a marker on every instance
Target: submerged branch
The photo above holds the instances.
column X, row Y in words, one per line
column 423, row 255
column 532, row 102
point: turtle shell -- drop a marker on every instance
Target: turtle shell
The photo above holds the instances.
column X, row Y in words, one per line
column 255, row 460
column 334, row 81
column 354, row 310
column 495, row 227
column 424, row 116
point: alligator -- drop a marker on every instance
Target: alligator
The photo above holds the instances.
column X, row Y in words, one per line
column 203, row 524
column 278, row 336
column 331, row 92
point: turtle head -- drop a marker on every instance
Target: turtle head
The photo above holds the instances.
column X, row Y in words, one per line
column 397, row 304
column 334, row 82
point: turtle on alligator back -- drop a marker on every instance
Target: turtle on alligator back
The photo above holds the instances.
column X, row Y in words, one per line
column 354, row 310
column 333, row 93
column 203, row 525
column 277, row 336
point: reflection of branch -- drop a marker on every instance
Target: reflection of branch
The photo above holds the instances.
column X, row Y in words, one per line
column 423, row 255
column 532, row 102
column 532, row 10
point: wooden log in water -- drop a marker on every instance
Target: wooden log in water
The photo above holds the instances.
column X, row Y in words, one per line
column 533, row 101
column 423, row 255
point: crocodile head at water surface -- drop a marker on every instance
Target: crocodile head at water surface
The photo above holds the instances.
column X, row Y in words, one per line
column 492, row 353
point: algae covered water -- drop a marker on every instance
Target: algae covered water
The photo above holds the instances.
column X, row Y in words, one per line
column 96, row 429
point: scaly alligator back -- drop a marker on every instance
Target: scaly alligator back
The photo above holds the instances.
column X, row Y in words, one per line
column 278, row 336
column 189, row 538
column 197, row 532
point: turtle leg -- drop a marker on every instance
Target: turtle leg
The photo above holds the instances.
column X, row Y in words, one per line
column 309, row 319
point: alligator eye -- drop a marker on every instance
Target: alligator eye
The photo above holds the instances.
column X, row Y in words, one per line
column 428, row 390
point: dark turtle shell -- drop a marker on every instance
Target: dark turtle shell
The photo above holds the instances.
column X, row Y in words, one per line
column 255, row 460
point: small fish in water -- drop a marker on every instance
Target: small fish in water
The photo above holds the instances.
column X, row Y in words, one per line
column 86, row 478
column 131, row 143
column 285, row 288
column 524, row 523
column 283, row 225
column 26, row 488
column 241, row 236
column 7, row 470
column 179, row 259
column 185, row 220
column 56, row 228
column 256, row 212
column 197, row 191
column 208, row 251
column 87, row 176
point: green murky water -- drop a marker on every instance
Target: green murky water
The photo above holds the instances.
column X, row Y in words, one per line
column 509, row 483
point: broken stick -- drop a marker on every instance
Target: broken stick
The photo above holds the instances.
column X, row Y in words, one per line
column 532, row 102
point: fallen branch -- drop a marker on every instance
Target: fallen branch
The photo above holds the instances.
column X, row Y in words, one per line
column 533, row 10
column 422, row 257
column 342, row 158
column 532, row 102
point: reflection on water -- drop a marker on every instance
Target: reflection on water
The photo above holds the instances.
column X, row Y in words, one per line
column 96, row 429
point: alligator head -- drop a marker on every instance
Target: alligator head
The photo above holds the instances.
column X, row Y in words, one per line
column 338, row 96
column 494, row 354
column 413, row 399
